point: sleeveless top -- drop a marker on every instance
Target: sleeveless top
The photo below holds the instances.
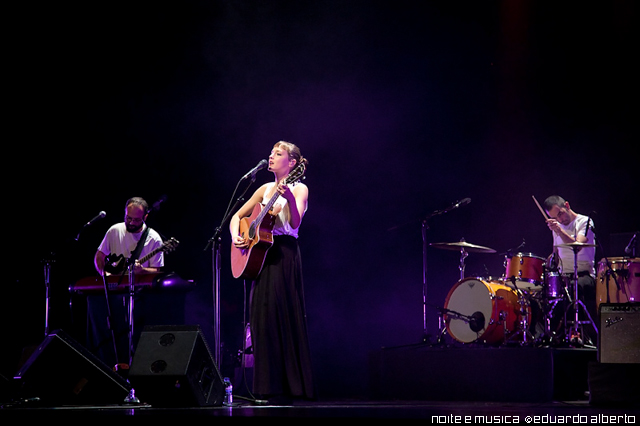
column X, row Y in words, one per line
column 282, row 226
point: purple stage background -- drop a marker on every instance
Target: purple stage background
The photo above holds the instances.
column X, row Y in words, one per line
column 401, row 107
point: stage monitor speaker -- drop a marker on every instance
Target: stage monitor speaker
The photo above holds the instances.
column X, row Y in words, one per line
column 62, row 372
column 619, row 334
column 173, row 367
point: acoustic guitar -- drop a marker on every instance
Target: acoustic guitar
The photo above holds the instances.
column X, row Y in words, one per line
column 257, row 228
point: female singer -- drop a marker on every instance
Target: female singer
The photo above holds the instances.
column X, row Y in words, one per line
column 282, row 361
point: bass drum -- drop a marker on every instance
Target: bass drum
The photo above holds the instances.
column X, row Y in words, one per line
column 483, row 311
column 620, row 283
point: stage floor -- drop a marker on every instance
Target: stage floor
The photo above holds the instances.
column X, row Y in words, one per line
column 432, row 412
column 437, row 385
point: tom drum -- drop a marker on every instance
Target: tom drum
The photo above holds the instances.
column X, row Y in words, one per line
column 555, row 285
column 526, row 271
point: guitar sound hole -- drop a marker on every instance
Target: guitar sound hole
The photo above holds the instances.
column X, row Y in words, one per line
column 252, row 231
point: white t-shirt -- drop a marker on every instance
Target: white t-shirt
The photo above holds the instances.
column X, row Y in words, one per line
column 118, row 241
column 585, row 256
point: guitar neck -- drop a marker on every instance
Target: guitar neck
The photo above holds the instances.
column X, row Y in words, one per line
column 294, row 176
column 267, row 207
column 150, row 255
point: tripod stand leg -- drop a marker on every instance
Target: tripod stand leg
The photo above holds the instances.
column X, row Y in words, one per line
column 585, row 336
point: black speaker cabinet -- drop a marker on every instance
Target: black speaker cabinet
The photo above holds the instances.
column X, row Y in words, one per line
column 173, row 367
column 619, row 334
column 62, row 372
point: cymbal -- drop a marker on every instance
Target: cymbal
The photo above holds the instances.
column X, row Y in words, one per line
column 472, row 248
column 575, row 244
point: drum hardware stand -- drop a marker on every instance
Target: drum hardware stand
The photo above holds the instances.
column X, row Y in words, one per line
column 547, row 316
column 574, row 330
column 454, row 315
column 442, row 328
column 463, row 257
column 524, row 313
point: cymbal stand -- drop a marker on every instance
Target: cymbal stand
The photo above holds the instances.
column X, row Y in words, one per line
column 575, row 328
column 463, row 256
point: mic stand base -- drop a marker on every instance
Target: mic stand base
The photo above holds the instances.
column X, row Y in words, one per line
column 132, row 398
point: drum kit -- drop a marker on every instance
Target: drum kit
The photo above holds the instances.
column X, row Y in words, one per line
column 520, row 306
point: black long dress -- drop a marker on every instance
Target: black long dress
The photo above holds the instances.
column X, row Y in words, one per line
column 279, row 326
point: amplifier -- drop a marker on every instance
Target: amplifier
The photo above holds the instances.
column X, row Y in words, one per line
column 619, row 334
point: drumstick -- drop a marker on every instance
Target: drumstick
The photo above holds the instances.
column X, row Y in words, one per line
column 541, row 211
column 540, row 208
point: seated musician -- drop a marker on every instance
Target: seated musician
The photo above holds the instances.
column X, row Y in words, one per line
column 567, row 227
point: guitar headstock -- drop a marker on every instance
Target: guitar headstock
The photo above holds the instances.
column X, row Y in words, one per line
column 296, row 174
column 170, row 245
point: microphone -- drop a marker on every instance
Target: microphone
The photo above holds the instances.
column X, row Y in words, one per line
column 100, row 215
column 156, row 205
column 464, row 202
column 586, row 231
column 511, row 250
column 252, row 173
column 630, row 247
column 554, row 262
column 476, row 321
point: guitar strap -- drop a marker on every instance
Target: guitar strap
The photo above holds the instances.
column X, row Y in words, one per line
column 136, row 253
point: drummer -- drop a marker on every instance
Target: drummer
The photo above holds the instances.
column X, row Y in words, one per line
column 569, row 227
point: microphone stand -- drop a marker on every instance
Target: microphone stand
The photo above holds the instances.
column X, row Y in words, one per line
column 425, row 227
column 47, row 298
column 215, row 242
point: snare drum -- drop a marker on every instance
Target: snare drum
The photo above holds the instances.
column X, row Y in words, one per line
column 526, row 270
column 621, row 284
column 484, row 311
